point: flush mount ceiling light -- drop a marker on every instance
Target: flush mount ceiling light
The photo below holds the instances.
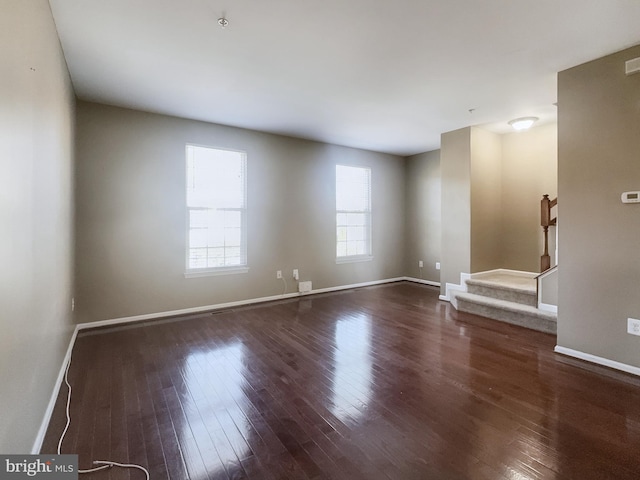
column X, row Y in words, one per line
column 523, row 123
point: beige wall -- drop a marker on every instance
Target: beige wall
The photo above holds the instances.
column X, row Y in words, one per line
column 455, row 168
column 529, row 170
column 36, row 153
column 131, row 214
column 423, row 214
column 598, row 159
column 486, row 200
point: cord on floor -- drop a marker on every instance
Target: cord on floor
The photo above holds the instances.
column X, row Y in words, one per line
column 103, row 464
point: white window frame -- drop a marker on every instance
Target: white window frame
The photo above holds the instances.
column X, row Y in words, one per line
column 243, row 267
column 367, row 211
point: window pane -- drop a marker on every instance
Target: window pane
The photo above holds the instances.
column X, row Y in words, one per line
column 215, row 178
column 216, row 202
column 232, row 236
column 216, row 237
column 215, row 218
column 198, row 258
column 233, row 218
column 216, row 262
column 197, row 237
column 198, row 218
column 215, row 257
column 356, row 219
column 352, row 188
column 355, row 233
column 233, row 261
column 353, row 211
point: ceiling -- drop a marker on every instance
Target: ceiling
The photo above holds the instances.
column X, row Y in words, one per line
column 373, row 74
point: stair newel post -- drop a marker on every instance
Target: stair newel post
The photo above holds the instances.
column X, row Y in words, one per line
column 546, row 221
column 545, row 259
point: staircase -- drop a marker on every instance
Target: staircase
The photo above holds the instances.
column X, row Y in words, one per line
column 508, row 296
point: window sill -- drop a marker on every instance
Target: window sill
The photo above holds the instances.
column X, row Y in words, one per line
column 213, row 272
column 354, row 259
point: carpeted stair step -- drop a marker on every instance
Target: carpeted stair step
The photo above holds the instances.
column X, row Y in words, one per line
column 518, row 293
column 507, row 311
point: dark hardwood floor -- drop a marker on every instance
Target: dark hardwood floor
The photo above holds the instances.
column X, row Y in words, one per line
column 377, row 383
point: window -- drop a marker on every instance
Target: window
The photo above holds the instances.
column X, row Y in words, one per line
column 216, row 211
column 353, row 213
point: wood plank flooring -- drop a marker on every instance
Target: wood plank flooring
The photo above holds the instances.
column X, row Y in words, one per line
column 376, row 383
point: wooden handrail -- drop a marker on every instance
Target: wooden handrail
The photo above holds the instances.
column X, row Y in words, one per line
column 545, row 273
column 546, row 204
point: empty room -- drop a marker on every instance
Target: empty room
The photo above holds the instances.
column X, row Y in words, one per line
column 330, row 240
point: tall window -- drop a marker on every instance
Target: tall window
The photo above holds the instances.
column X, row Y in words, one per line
column 216, row 209
column 353, row 213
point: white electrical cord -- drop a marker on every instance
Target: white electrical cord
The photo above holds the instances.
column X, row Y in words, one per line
column 285, row 285
column 103, row 463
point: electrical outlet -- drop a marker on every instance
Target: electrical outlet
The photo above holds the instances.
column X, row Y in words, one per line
column 279, row 274
column 633, row 326
column 420, row 263
column 296, row 275
column 73, row 304
column 437, row 265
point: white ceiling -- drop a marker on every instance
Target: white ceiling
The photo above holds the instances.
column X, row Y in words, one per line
column 374, row 74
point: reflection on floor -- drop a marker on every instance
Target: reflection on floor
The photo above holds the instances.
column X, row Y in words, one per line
column 353, row 362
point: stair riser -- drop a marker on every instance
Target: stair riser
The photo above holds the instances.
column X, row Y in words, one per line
column 515, row 318
column 502, row 294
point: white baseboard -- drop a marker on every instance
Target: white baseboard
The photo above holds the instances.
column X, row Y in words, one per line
column 598, row 360
column 547, row 307
column 420, row 280
column 454, row 287
column 183, row 311
column 44, row 425
column 355, row 285
column 221, row 306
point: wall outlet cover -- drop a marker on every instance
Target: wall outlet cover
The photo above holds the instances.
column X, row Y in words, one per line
column 633, row 326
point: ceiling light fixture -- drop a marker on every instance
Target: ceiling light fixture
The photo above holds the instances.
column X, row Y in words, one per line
column 223, row 22
column 523, row 123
